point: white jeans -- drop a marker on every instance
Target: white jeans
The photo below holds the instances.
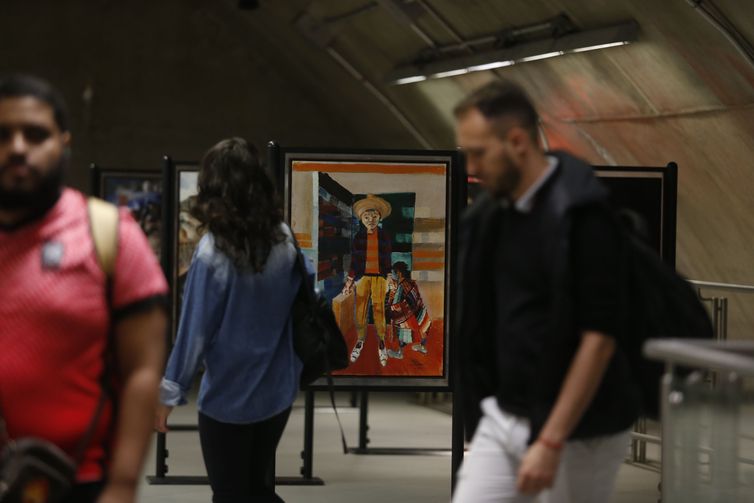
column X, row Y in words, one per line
column 489, row 471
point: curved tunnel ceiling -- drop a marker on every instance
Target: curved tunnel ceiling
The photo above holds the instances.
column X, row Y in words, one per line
column 175, row 75
column 681, row 93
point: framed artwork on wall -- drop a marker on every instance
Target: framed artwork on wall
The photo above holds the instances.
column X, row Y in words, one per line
column 379, row 227
column 647, row 194
column 139, row 191
column 186, row 229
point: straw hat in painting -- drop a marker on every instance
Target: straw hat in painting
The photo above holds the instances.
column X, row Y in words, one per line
column 372, row 202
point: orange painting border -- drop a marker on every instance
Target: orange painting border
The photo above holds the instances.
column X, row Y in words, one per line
column 375, row 167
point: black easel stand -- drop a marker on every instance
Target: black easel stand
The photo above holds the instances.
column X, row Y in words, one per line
column 457, row 438
column 307, row 455
column 389, row 451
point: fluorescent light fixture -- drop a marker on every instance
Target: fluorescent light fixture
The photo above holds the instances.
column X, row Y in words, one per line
column 489, row 66
column 411, row 79
column 590, row 40
column 600, row 46
column 449, row 73
column 541, row 56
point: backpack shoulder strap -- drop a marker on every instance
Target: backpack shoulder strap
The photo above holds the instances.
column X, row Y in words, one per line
column 103, row 220
column 103, row 224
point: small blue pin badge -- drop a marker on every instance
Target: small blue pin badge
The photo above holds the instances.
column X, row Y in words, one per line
column 52, row 255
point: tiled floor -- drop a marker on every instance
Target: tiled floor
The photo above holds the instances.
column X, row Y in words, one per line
column 396, row 420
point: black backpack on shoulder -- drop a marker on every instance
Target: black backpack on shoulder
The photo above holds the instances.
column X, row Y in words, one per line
column 317, row 339
column 660, row 303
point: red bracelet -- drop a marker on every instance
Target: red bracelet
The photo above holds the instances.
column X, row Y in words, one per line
column 555, row 446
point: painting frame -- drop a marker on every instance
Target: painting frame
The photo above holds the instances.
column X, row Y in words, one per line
column 626, row 180
column 447, row 164
column 99, row 178
column 177, row 172
column 652, row 192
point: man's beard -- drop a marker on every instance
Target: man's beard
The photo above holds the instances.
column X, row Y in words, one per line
column 41, row 197
column 507, row 180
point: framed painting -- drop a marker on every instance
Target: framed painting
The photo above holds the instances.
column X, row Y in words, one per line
column 140, row 192
column 379, row 227
column 647, row 193
column 186, row 229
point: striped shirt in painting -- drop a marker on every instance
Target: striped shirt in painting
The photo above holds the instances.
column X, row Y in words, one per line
column 373, row 262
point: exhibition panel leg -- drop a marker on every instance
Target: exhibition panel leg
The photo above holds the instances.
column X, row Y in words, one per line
column 457, row 440
column 388, row 451
column 161, row 476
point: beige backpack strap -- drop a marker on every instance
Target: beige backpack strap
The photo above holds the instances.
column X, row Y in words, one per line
column 103, row 219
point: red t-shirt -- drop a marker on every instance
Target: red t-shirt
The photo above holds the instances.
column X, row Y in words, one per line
column 54, row 322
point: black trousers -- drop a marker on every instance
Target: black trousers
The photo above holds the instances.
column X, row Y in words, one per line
column 240, row 458
column 84, row 493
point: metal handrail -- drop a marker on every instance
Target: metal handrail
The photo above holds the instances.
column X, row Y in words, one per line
column 731, row 287
column 735, row 356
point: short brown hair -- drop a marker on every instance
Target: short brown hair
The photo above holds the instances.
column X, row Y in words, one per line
column 502, row 99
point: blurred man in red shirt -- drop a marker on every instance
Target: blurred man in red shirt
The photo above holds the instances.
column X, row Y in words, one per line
column 61, row 314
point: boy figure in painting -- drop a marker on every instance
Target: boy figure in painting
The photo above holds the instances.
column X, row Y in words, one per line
column 370, row 265
column 407, row 311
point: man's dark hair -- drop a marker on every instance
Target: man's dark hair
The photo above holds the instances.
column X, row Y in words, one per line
column 20, row 85
column 500, row 99
column 402, row 268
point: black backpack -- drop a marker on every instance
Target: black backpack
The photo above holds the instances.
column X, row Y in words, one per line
column 660, row 304
column 317, row 339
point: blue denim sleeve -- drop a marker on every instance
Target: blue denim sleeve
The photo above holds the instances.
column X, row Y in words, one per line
column 201, row 314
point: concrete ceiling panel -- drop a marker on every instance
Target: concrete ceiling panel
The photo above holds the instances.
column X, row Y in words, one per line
column 175, row 75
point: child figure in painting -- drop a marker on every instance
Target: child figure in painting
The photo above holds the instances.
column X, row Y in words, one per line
column 370, row 266
column 408, row 313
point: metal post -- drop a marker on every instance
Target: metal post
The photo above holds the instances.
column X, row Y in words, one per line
column 715, row 317
column 161, row 454
column 363, row 420
column 308, row 453
column 638, row 445
column 726, row 411
column 457, row 439
column 643, row 443
column 720, row 317
column 667, row 472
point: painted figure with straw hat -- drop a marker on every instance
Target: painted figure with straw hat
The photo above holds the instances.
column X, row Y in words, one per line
column 370, row 266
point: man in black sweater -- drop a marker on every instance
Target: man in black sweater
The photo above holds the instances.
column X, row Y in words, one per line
column 548, row 393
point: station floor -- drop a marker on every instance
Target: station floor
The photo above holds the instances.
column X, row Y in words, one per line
column 396, row 420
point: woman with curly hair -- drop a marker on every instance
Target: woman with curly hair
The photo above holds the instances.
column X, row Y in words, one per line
column 235, row 319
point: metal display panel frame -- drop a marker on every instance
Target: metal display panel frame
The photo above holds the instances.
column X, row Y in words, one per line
column 281, row 162
column 666, row 180
column 176, row 169
column 660, row 216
